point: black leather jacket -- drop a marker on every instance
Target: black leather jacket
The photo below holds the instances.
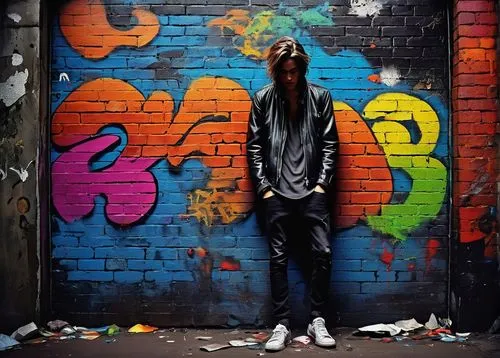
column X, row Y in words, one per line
column 267, row 132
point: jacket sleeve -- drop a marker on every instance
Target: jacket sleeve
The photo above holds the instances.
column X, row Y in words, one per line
column 329, row 145
column 256, row 147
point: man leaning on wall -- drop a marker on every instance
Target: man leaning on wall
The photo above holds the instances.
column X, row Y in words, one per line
column 292, row 143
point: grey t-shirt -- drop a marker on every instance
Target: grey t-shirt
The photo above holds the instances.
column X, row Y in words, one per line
column 292, row 182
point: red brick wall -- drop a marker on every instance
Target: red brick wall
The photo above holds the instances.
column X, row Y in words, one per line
column 474, row 95
column 475, row 294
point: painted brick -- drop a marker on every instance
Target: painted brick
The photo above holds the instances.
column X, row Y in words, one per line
column 97, row 276
column 143, row 265
column 353, row 276
column 116, row 264
column 73, row 252
column 96, row 241
column 128, row 276
column 91, row 265
column 67, row 241
column 124, row 253
column 150, row 257
column 182, row 276
column 161, row 254
column 68, row 265
column 158, row 276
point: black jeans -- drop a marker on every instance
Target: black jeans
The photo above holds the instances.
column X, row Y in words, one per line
column 312, row 215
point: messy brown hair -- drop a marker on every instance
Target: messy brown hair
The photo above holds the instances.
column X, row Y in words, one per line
column 284, row 49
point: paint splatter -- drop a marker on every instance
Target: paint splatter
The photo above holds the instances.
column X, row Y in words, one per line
column 390, row 76
column 412, row 266
column 432, row 248
column 230, row 264
column 255, row 33
column 364, row 8
column 375, row 78
column 386, row 257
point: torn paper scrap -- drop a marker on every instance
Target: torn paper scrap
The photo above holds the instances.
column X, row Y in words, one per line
column 214, row 347
column 381, row 327
column 408, row 325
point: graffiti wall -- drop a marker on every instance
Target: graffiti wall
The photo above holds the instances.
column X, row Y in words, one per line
column 153, row 216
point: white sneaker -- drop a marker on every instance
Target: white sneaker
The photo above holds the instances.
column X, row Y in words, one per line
column 318, row 332
column 280, row 338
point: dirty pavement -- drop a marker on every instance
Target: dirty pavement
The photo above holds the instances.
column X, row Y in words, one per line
column 404, row 338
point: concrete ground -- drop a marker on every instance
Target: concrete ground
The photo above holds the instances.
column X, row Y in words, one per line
column 183, row 343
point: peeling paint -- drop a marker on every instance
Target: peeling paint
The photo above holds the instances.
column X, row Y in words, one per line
column 63, row 76
column 365, row 8
column 14, row 88
column 17, row 59
column 390, row 76
column 22, row 172
column 15, row 17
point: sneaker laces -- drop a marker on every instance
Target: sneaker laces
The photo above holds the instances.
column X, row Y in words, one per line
column 319, row 328
column 279, row 332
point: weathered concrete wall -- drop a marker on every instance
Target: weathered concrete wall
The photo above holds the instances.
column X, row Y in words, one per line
column 19, row 133
column 475, row 296
column 153, row 209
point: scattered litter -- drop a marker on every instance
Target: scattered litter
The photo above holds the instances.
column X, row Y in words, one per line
column 57, row 325
column 451, row 338
column 236, row 331
column 432, row 323
column 89, row 337
column 203, row 338
column 98, row 329
column 68, row 337
column 214, row 347
column 381, row 329
column 467, row 334
column 170, row 341
column 112, row 340
column 241, row 343
column 256, row 346
column 7, row 342
column 305, row 340
column 25, row 332
column 261, row 336
column 113, row 330
column 387, row 339
column 260, row 354
column 142, row 328
column 161, row 336
column 348, row 347
column 400, row 338
column 445, row 322
column 38, row 340
column 45, row 333
column 408, row 325
column 298, row 350
column 68, row 330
